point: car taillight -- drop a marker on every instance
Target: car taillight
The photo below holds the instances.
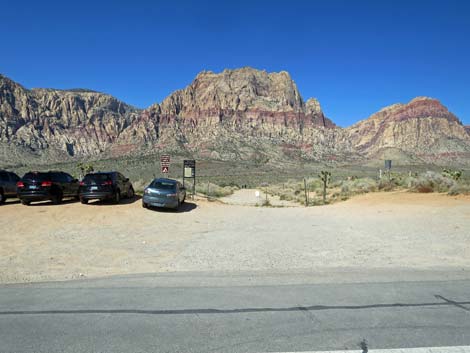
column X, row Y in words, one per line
column 20, row 184
column 108, row 182
column 46, row 183
column 82, row 183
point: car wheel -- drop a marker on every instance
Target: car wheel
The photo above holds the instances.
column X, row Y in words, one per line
column 117, row 197
column 131, row 193
column 25, row 202
column 2, row 198
column 57, row 198
column 144, row 205
column 84, row 201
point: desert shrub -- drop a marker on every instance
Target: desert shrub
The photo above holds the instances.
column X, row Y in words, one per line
column 358, row 186
column 453, row 174
column 431, row 182
column 139, row 185
column 214, row 190
column 459, row 190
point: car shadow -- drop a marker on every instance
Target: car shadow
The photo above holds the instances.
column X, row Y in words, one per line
column 11, row 202
column 185, row 207
column 125, row 201
column 50, row 203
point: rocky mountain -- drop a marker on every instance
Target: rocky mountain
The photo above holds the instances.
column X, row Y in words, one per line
column 55, row 124
column 237, row 114
column 423, row 128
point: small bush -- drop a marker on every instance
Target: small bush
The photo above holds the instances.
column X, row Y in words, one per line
column 459, row 190
column 431, row 182
column 214, row 190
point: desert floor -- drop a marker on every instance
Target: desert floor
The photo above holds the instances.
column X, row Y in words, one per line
column 396, row 230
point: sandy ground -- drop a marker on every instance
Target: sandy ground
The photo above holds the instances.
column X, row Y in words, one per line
column 255, row 197
column 380, row 230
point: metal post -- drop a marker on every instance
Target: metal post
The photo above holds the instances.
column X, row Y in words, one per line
column 306, row 192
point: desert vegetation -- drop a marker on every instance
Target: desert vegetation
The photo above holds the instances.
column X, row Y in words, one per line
column 318, row 190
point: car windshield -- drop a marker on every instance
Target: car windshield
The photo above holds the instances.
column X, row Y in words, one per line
column 163, row 185
column 96, row 178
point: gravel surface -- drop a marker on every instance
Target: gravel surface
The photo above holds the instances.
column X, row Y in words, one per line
column 380, row 230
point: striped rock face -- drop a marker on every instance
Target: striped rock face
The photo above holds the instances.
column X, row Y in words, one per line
column 232, row 115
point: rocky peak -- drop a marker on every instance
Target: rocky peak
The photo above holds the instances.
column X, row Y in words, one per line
column 422, row 127
column 235, row 90
column 420, row 107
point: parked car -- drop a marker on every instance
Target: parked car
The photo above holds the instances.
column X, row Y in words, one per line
column 8, row 182
column 105, row 186
column 44, row 186
column 164, row 192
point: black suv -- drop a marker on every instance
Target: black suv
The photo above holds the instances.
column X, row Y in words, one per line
column 8, row 182
column 43, row 186
column 105, row 186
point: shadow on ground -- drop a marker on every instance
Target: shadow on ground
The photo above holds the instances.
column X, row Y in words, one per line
column 185, row 207
column 50, row 203
column 124, row 201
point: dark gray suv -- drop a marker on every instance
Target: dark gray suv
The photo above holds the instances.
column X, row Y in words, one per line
column 43, row 186
column 8, row 182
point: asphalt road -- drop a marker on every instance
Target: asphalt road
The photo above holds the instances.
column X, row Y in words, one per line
column 235, row 313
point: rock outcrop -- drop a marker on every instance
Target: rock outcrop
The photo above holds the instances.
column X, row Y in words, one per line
column 423, row 128
column 236, row 114
column 58, row 124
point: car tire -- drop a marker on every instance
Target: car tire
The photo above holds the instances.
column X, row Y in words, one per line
column 57, row 198
column 117, row 197
column 25, row 202
column 184, row 199
column 131, row 193
column 84, row 201
column 144, row 205
column 2, row 198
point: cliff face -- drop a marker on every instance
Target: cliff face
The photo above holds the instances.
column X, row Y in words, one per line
column 423, row 127
column 61, row 123
column 236, row 114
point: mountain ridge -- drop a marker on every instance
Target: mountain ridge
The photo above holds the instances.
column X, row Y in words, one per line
column 236, row 114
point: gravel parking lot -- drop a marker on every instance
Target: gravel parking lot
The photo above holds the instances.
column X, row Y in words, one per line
column 381, row 230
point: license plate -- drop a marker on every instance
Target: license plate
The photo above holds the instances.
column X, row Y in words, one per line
column 33, row 187
column 93, row 188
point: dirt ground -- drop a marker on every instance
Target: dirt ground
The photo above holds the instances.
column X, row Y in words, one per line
column 380, row 230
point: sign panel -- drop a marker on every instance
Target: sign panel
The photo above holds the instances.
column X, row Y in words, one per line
column 165, row 163
column 189, row 168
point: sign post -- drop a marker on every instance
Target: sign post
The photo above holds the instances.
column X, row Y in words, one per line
column 189, row 172
column 388, row 167
column 165, row 164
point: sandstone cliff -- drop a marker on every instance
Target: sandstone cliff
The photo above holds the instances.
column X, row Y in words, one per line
column 236, row 114
column 59, row 124
column 423, row 128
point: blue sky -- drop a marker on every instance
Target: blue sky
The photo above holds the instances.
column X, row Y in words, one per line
column 354, row 56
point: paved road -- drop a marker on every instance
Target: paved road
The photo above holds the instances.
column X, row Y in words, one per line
column 233, row 313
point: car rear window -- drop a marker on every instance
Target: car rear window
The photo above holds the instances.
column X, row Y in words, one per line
column 163, row 185
column 96, row 178
column 36, row 176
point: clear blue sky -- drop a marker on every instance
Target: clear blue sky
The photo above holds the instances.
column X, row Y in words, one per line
column 354, row 56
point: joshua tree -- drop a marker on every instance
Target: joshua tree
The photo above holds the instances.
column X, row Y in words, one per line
column 454, row 174
column 325, row 178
